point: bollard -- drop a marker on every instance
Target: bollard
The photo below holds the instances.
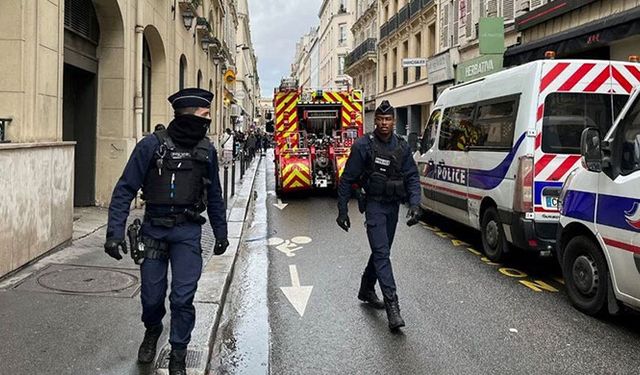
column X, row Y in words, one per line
column 233, row 177
column 226, row 184
column 242, row 164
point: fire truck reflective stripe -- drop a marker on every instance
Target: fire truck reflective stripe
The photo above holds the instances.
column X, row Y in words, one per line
column 552, row 75
column 599, row 80
column 576, row 77
column 622, row 245
column 634, row 71
column 564, row 168
column 543, row 162
column 538, row 140
column 626, row 85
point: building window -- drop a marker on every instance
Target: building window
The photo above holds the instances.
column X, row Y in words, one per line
column 395, row 80
column 384, row 83
column 340, row 65
column 183, row 72
column 418, row 73
column 342, row 38
column 199, row 78
column 343, row 6
column 405, row 75
column 146, row 87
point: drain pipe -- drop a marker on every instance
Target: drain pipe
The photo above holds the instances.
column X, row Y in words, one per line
column 137, row 101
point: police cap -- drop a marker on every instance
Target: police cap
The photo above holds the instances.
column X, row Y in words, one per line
column 191, row 97
column 385, row 109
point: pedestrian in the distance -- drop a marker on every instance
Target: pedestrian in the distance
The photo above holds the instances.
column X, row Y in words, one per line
column 381, row 164
column 174, row 168
column 251, row 144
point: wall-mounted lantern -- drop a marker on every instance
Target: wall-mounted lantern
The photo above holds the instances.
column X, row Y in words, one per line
column 205, row 42
column 187, row 18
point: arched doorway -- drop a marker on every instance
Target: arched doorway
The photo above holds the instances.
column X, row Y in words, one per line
column 80, row 92
column 154, row 80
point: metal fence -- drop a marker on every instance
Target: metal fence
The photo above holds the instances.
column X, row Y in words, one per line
column 403, row 16
column 368, row 46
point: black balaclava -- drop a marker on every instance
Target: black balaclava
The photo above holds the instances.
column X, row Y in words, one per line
column 188, row 130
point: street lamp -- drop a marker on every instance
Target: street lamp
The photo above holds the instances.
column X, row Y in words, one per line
column 187, row 18
column 205, row 42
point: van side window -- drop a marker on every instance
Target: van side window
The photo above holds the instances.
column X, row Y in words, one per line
column 457, row 130
column 630, row 134
column 429, row 134
column 567, row 114
column 495, row 122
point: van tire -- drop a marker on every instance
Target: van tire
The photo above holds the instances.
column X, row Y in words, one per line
column 586, row 276
column 494, row 242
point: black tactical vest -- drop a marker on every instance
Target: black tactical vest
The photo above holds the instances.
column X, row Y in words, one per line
column 384, row 177
column 177, row 176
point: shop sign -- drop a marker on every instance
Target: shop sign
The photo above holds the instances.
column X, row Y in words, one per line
column 439, row 68
column 478, row 67
column 491, row 35
column 414, row 62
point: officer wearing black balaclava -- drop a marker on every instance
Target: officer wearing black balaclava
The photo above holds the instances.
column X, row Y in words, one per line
column 381, row 164
column 176, row 168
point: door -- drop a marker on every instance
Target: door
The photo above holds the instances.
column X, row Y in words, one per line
column 79, row 125
column 425, row 158
column 451, row 162
column 618, row 211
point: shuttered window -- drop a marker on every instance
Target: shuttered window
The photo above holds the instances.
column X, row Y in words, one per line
column 80, row 18
column 508, row 9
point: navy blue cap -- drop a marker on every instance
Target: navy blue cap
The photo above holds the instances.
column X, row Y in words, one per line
column 385, row 109
column 191, row 97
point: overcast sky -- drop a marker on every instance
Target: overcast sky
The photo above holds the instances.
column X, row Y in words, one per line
column 276, row 26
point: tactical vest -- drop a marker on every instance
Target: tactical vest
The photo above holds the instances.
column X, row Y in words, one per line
column 383, row 174
column 177, row 176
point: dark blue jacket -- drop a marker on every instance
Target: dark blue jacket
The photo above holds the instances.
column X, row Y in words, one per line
column 133, row 178
column 357, row 163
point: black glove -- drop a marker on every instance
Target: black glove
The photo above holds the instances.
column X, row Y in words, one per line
column 413, row 215
column 221, row 246
column 112, row 248
column 343, row 221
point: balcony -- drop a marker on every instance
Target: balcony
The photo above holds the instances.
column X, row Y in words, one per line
column 401, row 18
column 361, row 51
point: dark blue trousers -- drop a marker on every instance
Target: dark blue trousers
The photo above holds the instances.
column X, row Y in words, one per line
column 185, row 256
column 381, row 221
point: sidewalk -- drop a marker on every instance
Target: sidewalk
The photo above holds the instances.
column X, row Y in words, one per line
column 77, row 311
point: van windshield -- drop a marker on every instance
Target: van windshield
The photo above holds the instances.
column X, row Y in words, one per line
column 567, row 114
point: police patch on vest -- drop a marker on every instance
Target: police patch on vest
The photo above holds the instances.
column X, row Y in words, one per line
column 451, row 174
column 382, row 161
column 180, row 155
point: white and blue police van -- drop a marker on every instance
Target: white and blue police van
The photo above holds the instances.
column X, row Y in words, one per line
column 599, row 231
column 496, row 150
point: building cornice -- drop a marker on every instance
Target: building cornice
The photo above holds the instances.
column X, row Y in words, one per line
column 366, row 17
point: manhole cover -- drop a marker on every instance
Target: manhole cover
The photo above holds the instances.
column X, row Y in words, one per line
column 83, row 280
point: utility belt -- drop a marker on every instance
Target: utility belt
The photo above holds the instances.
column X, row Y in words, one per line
column 172, row 220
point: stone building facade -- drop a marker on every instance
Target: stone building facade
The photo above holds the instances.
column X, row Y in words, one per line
column 81, row 82
column 335, row 40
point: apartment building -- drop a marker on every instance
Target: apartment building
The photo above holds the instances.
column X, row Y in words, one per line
column 81, row 81
column 408, row 37
column 362, row 62
column 301, row 67
column 334, row 39
column 247, row 91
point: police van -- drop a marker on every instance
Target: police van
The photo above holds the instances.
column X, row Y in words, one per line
column 495, row 151
column 599, row 232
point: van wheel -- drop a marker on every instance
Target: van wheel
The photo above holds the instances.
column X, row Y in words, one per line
column 586, row 276
column 494, row 242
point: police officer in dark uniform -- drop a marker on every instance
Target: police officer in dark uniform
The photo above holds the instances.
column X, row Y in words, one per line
column 177, row 170
column 382, row 165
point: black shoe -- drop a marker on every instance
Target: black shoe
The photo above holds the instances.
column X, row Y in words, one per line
column 177, row 364
column 147, row 350
column 393, row 314
column 368, row 294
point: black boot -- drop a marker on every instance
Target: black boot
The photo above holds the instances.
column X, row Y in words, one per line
column 393, row 313
column 147, row 350
column 367, row 294
column 177, row 365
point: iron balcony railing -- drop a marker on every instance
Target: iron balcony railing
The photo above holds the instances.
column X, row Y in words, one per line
column 368, row 46
column 407, row 12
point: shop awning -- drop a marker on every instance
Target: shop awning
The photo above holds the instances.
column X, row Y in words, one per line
column 583, row 38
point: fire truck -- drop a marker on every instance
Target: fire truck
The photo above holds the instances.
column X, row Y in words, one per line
column 314, row 131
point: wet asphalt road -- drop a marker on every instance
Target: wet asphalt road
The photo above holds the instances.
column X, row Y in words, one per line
column 464, row 315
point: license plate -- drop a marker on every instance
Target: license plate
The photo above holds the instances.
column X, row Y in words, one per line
column 551, row 202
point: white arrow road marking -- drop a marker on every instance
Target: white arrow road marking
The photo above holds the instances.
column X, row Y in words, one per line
column 297, row 295
column 271, row 192
column 281, row 206
column 289, row 247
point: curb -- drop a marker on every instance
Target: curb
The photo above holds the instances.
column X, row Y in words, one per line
column 214, row 284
